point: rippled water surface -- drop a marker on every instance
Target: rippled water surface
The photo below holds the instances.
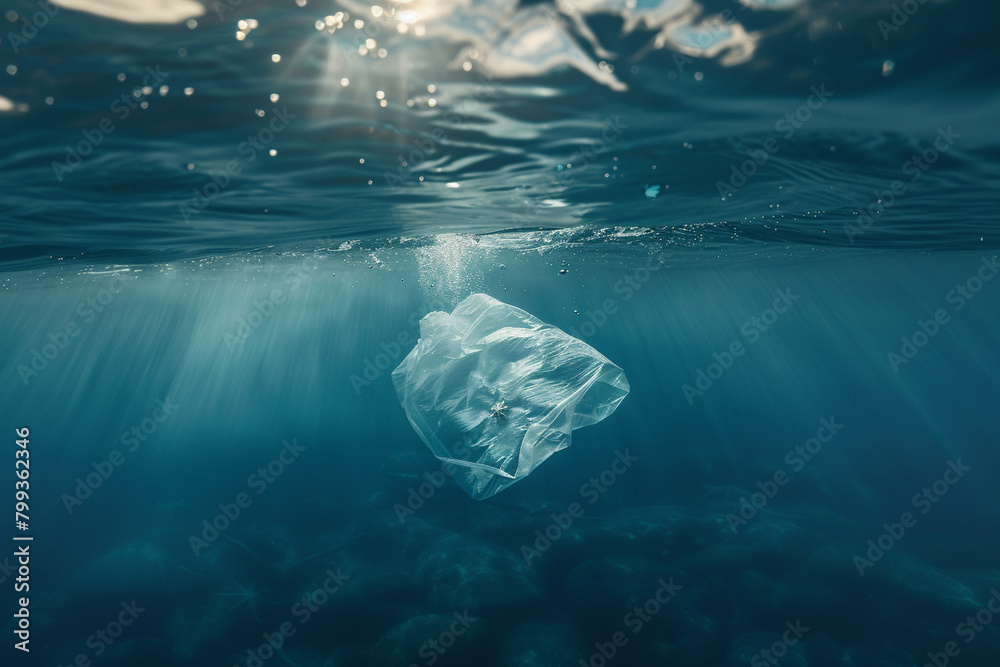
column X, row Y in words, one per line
column 153, row 141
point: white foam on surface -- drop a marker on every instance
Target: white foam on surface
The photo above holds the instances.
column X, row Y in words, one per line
column 138, row 11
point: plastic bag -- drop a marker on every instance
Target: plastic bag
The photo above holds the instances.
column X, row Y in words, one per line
column 493, row 391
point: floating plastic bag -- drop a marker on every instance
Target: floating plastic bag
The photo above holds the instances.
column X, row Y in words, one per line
column 493, row 391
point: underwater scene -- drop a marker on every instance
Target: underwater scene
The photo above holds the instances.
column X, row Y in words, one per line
column 500, row 333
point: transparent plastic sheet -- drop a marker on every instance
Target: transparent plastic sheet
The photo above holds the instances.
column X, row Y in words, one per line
column 493, row 391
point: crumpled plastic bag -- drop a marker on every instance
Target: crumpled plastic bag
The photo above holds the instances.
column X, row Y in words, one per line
column 493, row 391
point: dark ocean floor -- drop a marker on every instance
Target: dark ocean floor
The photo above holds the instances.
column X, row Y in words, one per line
column 421, row 575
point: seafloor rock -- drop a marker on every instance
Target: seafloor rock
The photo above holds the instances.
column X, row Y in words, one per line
column 766, row 601
column 657, row 531
column 348, row 656
column 834, row 566
column 666, row 616
column 229, row 611
column 719, row 559
column 261, row 549
column 387, row 537
column 511, row 524
column 297, row 655
column 136, row 570
column 690, row 630
column 984, row 648
column 695, row 644
column 445, row 640
column 371, row 601
column 538, row 645
column 926, row 589
column 885, row 655
column 139, row 651
column 462, row 573
column 749, row 648
column 823, row 488
column 858, row 571
column 897, row 623
column 601, row 591
column 822, row 650
column 780, row 539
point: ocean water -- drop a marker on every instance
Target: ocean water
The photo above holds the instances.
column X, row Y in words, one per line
column 222, row 224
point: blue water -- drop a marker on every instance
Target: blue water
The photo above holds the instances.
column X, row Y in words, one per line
column 779, row 218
